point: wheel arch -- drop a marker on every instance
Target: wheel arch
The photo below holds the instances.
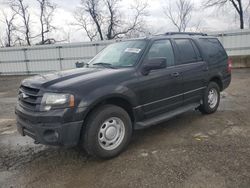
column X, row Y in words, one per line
column 218, row 80
column 117, row 100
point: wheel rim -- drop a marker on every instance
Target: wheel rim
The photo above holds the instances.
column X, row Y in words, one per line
column 212, row 98
column 111, row 133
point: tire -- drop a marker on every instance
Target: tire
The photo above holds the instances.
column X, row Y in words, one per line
column 210, row 106
column 108, row 131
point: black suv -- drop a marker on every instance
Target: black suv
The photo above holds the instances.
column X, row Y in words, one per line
column 129, row 85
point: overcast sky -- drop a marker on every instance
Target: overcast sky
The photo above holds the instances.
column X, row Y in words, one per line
column 209, row 19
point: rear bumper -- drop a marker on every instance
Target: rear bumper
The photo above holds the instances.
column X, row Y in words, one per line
column 49, row 130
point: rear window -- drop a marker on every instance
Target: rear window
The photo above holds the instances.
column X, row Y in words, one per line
column 186, row 51
column 213, row 49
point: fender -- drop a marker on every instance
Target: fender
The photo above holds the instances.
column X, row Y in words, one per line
column 107, row 92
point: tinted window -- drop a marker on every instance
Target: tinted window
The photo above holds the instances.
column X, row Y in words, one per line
column 197, row 51
column 186, row 51
column 162, row 48
column 213, row 49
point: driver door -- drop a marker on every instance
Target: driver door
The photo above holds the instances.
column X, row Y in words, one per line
column 161, row 90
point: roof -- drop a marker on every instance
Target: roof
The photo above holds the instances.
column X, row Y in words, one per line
column 179, row 35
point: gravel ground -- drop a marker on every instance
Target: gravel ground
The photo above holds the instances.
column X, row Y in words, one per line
column 191, row 150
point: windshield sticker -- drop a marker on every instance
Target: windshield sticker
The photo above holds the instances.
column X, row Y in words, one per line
column 133, row 50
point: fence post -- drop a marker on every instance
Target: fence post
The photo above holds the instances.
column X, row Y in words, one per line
column 26, row 60
column 60, row 56
column 96, row 48
column 222, row 38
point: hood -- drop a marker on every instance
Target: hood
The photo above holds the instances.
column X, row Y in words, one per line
column 69, row 77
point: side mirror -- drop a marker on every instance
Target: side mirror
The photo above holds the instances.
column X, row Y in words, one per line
column 79, row 64
column 153, row 64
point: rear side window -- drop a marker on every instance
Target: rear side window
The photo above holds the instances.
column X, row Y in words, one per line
column 162, row 48
column 187, row 52
column 213, row 49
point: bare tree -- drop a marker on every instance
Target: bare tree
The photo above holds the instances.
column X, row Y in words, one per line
column 105, row 19
column 10, row 28
column 237, row 4
column 93, row 9
column 85, row 23
column 181, row 15
column 118, row 27
column 21, row 9
column 113, row 21
column 45, row 17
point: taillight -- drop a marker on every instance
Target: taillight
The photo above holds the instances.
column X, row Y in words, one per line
column 229, row 65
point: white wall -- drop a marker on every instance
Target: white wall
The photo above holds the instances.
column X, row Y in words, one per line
column 236, row 42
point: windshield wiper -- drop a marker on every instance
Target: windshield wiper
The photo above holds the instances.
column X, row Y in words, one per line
column 106, row 65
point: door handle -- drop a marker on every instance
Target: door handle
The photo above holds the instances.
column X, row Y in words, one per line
column 175, row 74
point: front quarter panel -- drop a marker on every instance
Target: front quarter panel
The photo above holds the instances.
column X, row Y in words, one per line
column 122, row 84
column 106, row 92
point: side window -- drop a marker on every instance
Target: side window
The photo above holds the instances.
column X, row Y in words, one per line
column 199, row 58
column 162, row 48
column 186, row 50
column 213, row 49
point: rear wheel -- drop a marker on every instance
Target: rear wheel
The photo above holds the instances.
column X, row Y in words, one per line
column 107, row 132
column 211, row 99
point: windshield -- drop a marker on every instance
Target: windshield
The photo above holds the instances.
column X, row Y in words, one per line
column 122, row 54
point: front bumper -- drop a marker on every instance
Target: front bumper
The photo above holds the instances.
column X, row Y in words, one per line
column 51, row 128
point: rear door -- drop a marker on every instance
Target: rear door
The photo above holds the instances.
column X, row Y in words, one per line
column 194, row 70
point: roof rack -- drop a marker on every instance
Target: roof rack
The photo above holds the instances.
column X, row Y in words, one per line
column 185, row 33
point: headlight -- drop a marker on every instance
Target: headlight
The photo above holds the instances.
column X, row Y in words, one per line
column 57, row 100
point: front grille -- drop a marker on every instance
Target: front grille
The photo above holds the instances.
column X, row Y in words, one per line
column 28, row 97
column 29, row 91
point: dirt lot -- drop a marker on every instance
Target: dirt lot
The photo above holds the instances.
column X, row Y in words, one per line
column 191, row 150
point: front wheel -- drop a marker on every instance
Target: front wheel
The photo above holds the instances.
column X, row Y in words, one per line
column 107, row 132
column 211, row 99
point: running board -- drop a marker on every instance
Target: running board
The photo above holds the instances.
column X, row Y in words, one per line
column 166, row 116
